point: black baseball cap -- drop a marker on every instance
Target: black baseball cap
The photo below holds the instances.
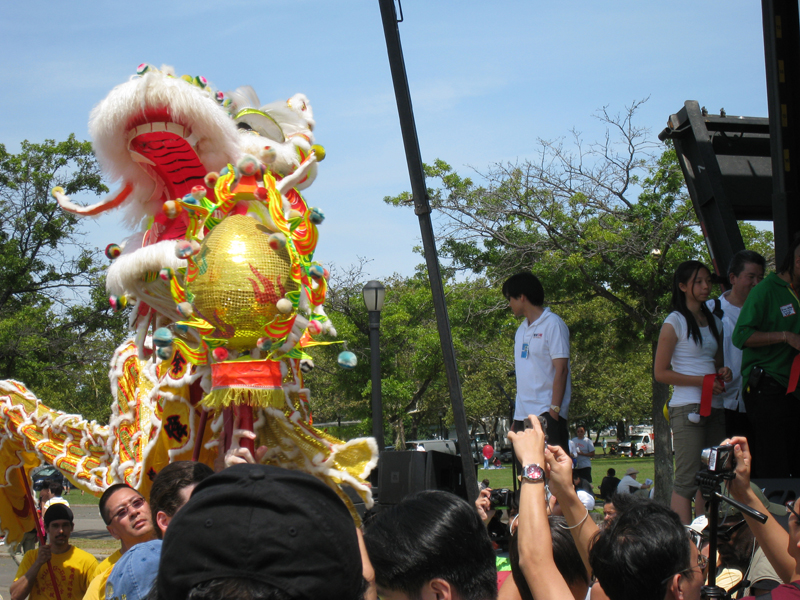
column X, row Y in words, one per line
column 57, row 512
column 283, row 528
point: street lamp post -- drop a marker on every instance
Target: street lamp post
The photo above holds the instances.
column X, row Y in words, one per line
column 374, row 293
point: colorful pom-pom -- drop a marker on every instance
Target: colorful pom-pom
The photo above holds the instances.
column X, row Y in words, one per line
column 268, row 154
column 347, row 360
column 113, row 251
column 326, row 274
column 190, row 199
column 306, row 365
column 316, row 216
column 164, row 352
column 261, row 193
column 181, row 328
column 220, row 354
column 171, row 209
column 166, row 273
column 143, row 68
column 211, row 179
column 199, row 192
column 118, row 302
column 195, row 247
column 314, row 327
column 187, row 78
column 316, row 272
column 284, row 305
column 277, row 241
column 162, row 337
column 219, row 97
column 185, row 309
column 319, row 151
column 201, row 81
column 248, row 165
column 56, row 190
column 183, row 249
column 264, row 344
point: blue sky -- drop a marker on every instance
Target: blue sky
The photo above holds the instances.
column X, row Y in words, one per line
column 487, row 79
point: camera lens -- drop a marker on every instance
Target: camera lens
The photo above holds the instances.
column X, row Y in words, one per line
column 705, row 455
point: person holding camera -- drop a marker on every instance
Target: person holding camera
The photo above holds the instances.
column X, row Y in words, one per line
column 768, row 332
column 689, row 357
column 782, row 548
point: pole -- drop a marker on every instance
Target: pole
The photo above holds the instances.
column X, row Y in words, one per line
column 423, row 210
column 39, row 531
column 375, row 367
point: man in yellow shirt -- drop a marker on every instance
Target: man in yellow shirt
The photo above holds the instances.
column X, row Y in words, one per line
column 127, row 517
column 73, row 568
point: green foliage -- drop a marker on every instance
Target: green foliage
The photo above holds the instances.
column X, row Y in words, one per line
column 413, row 384
column 57, row 332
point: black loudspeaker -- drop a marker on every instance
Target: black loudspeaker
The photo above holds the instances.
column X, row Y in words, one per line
column 403, row 473
column 779, row 491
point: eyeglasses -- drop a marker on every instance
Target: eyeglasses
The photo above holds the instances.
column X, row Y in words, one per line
column 725, row 535
column 790, row 508
column 134, row 504
column 702, row 559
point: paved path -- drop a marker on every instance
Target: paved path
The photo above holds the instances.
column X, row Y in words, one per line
column 88, row 525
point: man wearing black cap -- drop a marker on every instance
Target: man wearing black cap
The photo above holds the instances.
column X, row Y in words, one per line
column 259, row 530
column 72, row 567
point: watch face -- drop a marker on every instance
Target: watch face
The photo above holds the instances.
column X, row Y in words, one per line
column 533, row 472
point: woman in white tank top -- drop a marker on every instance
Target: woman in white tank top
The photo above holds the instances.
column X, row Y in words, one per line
column 689, row 348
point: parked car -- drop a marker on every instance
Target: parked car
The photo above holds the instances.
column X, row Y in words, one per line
column 642, row 445
column 45, row 475
column 446, row 446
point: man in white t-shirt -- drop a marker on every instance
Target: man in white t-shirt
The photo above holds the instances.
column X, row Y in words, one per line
column 541, row 358
column 629, row 485
column 585, row 450
column 744, row 273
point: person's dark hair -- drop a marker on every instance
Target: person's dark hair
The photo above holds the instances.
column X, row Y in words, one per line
column 565, row 555
column 639, row 551
column 685, row 274
column 744, row 257
column 736, row 543
column 241, row 589
column 232, row 587
column 611, row 473
column 429, row 535
column 524, row 284
column 110, row 491
column 621, row 502
column 55, row 487
column 787, row 266
column 165, row 494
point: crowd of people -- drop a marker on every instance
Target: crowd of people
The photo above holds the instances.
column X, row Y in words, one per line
column 256, row 532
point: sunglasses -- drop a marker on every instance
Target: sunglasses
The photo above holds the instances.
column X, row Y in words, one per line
column 790, row 507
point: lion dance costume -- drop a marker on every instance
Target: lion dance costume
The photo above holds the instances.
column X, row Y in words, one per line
column 223, row 291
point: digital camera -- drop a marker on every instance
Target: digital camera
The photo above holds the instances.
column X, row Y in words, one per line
column 719, row 459
column 500, row 498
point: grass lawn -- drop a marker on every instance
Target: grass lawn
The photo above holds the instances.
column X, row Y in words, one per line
column 501, row 478
column 86, row 499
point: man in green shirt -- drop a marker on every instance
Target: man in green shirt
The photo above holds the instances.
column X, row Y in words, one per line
column 768, row 332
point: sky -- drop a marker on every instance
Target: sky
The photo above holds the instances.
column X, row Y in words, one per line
column 487, row 80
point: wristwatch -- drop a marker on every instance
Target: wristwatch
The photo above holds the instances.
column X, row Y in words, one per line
column 555, row 409
column 533, row 473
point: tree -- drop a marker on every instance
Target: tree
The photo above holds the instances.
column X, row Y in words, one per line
column 603, row 221
column 57, row 332
column 413, row 382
